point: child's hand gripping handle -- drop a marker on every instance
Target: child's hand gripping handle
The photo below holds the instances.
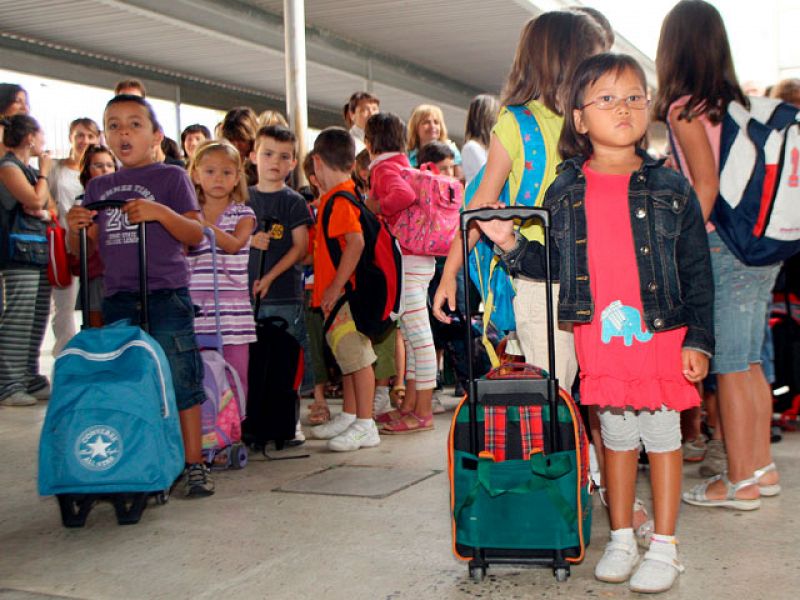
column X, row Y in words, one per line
column 84, row 258
column 266, row 226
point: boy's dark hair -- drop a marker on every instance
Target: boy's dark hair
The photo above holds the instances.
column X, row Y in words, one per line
column 130, row 83
column 434, row 152
column 572, row 143
column 279, row 133
column 308, row 170
column 86, row 161
column 385, row 132
column 359, row 97
column 8, row 95
column 694, row 59
column 336, row 148
column 170, row 148
column 17, row 128
column 151, row 114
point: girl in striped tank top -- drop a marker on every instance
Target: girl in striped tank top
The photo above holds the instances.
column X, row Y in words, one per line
column 218, row 176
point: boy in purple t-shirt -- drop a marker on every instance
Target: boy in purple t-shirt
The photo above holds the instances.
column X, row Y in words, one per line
column 162, row 196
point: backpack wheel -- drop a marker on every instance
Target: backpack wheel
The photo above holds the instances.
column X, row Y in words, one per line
column 238, row 454
column 477, row 573
column 74, row 508
column 129, row 507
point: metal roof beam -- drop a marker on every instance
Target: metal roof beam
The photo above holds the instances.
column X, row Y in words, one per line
column 61, row 62
column 237, row 23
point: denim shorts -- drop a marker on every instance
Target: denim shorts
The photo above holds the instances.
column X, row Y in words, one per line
column 741, row 299
column 171, row 315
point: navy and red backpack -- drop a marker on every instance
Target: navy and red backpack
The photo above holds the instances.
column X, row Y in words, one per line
column 376, row 299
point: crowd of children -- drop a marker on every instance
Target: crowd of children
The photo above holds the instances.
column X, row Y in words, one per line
column 648, row 250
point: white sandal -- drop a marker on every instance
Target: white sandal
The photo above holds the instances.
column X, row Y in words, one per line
column 697, row 495
column 767, row 490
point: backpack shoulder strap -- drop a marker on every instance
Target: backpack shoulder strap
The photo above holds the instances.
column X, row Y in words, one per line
column 535, row 156
column 334, row 250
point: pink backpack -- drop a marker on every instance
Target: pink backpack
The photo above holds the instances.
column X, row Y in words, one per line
column 427, row 227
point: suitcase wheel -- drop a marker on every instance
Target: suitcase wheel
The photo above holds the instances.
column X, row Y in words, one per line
column 561, row 574
column 238, row 456
column 74, row 508
column 477, row 573
column 129, row 507
column 161, row 498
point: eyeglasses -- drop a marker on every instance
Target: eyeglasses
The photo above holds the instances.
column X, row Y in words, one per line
column 607, row 102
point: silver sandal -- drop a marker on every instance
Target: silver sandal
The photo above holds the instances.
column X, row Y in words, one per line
column 767, row 490
column 697, row 495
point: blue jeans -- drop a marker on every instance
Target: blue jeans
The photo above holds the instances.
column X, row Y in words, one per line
column 294, row 315
column 741, row 300
column 171, row 315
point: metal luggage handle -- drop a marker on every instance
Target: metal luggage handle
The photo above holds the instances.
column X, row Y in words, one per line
column 524, row 213
column 84, row 260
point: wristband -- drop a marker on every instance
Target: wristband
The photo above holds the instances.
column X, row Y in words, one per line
column 40, row 176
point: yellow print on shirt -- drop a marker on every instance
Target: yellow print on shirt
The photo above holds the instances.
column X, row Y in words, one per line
column 276, row 233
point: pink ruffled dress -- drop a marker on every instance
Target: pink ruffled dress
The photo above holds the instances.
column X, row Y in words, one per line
column 622, row 363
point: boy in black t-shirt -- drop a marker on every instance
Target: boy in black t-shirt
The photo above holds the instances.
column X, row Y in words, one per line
column 286, row 241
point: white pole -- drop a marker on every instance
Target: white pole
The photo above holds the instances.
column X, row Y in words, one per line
column 294, row 24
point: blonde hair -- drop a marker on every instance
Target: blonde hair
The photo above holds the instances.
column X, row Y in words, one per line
column 422, row 112
column 271, row 117
column 239, row 194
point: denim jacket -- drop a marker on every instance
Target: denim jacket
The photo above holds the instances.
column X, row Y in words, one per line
column 675, row 279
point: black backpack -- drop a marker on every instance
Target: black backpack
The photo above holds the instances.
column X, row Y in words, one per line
column 376, row 300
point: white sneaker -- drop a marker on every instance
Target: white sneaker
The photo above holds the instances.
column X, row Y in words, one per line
column 18, row 399
column 436, row 404
column 656, row 574
column 299, row 436
column 333, row 427
column 381, row 404
column 356, row 436
column 43, row 393
column 617, row 562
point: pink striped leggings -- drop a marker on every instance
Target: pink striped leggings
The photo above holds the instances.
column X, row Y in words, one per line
column 415, row 323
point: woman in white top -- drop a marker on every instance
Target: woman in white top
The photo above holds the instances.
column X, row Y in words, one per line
column 65, row 186
column 481, row 117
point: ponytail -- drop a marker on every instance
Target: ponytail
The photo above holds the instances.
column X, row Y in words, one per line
column 17, row 128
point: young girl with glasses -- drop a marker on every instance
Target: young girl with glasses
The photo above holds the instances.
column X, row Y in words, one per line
column 632, row 252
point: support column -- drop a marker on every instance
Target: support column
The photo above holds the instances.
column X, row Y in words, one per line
column 294, row 25
column 178, row 116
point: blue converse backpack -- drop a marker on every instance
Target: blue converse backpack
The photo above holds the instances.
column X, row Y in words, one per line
column 112, row 423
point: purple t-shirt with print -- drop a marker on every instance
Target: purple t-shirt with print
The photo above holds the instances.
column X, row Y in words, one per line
column 167, row 266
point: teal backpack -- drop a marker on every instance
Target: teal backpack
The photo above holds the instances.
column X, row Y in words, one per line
column 487, row 271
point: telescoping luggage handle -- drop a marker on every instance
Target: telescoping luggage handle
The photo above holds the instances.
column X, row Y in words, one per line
column 207, row 340
column 523, row 213
column 84, row 258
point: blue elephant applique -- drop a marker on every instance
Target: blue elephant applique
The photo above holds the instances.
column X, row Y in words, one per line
column 623, row 321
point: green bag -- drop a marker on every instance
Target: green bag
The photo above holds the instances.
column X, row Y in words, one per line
column 539, row 503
